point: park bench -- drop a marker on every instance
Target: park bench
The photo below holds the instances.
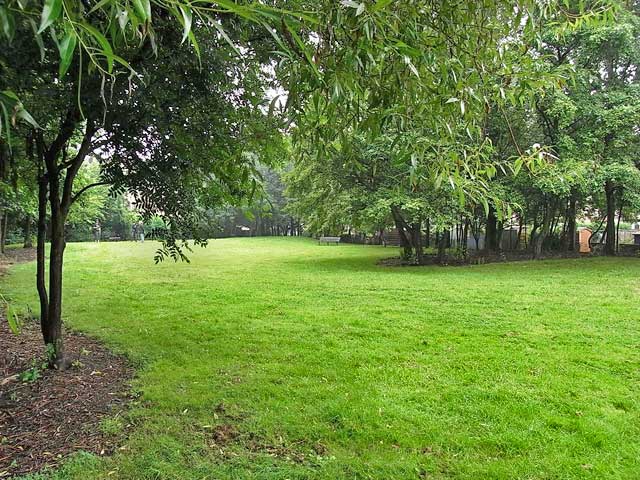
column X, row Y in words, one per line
column 329, row 240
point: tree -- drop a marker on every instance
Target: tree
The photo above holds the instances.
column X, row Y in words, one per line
column 167, row 140
column 592, row 123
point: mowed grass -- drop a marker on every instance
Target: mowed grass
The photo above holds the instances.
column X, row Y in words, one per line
column 281, row 359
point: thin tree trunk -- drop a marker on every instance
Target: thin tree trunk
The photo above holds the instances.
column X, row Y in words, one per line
column 517, row 245
column 442, row 245
column 465, row 237
column 541, row 236
column 28, row 240
column 570, row 239
column 3, row 228
column 40, row 256
column 52, row 331
column 618, row 225
column 401, row 227
column 428, row 234
column 417, row 242
column 610, row 245
column 491, row 231
column 60, row 198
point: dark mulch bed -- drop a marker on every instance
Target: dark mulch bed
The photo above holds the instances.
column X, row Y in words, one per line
column 43, row 421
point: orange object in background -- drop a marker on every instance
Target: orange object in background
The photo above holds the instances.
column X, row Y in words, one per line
column 583, row 239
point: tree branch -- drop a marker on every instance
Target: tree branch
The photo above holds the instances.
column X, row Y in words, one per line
column 76, row 163
column 85, row 188
column 511, row 133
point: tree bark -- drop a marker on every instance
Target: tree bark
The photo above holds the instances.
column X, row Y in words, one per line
column 491, row 231
column 540, row 237
column 570, row 239
column 610, row 245
column 417, row 242
column 40, row 256
column 618, row 224
column 442, row 245
column 28, row 240
column 428, row 234
column 52, row 328
column 401, row 227
column 3, row 232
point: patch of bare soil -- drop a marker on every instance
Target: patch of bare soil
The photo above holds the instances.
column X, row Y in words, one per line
column 46, row 414
column 225, row 438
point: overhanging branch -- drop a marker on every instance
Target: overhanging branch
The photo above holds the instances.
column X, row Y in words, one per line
column 85, row 188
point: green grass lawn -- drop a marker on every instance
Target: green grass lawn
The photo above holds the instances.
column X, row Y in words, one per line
column 331, row 367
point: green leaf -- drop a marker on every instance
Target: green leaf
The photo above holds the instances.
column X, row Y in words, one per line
column 99, row 5
column 5, row 116
column 143, row 9
column 272, row 105
column 10, row 96
column 38, row 39
column 194, row 43
column 13, row 320
column 7, row 23
column 123, row 19
column 50, row 13
column 485, row 205
column 187, row 20
column 22, row 114
column 66, row 48
column 303, row 47
column 107, row 51
column 350, row 3
column 121, row 61
column 381, row 5
column 224, row 35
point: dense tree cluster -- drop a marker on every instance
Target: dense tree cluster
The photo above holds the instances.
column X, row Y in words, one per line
column 580, row 137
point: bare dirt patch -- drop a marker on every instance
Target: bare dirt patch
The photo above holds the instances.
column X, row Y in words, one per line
column 45, row 414
column 46, row 418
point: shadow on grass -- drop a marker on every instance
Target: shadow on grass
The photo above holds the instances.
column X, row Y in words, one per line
column 368, row 262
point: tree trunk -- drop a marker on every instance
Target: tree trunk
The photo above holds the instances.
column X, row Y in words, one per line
column 3, row 233
column 59, row 198
column 52, row 329
column 491, row 239
column 405, row 239
column 442, row 245
column 570, row 239
column 428, row 234
column 541, row 236
column 499, row 232
column 40, row 256
column 618, row 225
column 465, row 237
column 610, row 245
column 417, row 242
column 28, row 240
